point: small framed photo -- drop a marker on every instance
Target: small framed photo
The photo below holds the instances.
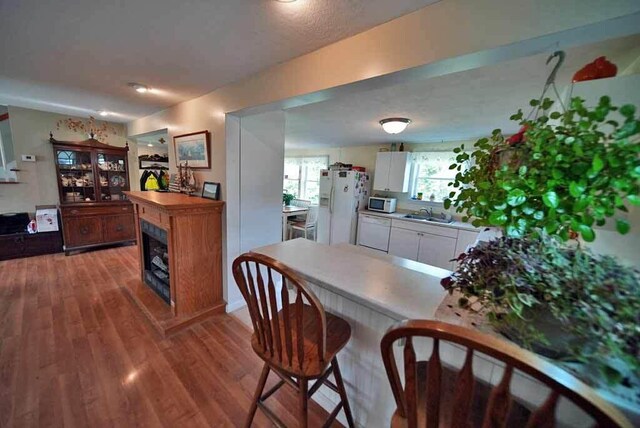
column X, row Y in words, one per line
column 193, row 149
column 211, row 190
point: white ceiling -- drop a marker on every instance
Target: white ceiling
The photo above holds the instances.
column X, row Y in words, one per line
column 460, row 106
column 76, row 56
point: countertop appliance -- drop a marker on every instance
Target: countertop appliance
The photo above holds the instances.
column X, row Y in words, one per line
column 381, row 204
column 342, row 195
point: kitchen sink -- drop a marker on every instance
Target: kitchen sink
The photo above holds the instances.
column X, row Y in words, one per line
column 429, row 218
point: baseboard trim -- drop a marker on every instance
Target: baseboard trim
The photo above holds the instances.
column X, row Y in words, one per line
column 233, row 306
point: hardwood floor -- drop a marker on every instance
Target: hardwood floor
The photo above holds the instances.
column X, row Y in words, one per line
column 75, row 351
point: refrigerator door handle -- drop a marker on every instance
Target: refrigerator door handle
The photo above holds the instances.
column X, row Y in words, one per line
column 331, row 195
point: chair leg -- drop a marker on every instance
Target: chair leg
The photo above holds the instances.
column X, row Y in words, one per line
column 256, row 396
column 343, row 392
column 302, row 397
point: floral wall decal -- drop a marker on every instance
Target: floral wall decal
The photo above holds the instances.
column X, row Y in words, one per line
column 98, row 130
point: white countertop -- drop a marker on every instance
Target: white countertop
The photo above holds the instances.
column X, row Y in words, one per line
column 396, row 287
column 399, row 215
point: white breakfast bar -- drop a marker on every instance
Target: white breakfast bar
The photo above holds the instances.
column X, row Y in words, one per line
column 373, row 291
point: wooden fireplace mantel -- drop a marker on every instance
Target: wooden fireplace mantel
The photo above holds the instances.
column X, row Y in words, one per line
column 194, row 240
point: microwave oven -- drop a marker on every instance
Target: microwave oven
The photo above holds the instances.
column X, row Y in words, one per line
column 384, row 205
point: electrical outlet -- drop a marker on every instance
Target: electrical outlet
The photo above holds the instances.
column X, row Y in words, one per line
column 28, row 158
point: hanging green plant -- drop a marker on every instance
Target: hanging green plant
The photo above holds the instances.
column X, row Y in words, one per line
column 564, row 172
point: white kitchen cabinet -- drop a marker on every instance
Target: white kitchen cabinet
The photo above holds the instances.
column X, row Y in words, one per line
column 436, row 250
column 465, row 238
column 428, row 243
column 381, row 173
column 392, row 171
column 404, row 243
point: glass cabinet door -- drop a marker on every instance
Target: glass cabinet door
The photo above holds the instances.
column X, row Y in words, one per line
column 76, row 176
column 113, row 177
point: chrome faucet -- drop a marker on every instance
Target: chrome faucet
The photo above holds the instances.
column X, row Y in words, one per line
column 428, row 211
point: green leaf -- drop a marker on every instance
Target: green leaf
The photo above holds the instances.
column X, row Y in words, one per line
column 513, row 231
column 522, row 170
column 597, row 163
column 498, row 218
column 538, row 215
column 611, row 375
column 516, row 197
column 622, row 226
column 634, row 199
column 447, row 204
column 587, row 233
column 550, row 199
column 575, row 189
column 628, row 110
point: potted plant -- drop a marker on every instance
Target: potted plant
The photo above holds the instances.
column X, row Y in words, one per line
column 562, row 174
column 558, row 300
column 287, row 198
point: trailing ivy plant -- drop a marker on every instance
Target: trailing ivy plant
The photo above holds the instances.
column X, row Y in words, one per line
column 594, row 298
column 563, row 172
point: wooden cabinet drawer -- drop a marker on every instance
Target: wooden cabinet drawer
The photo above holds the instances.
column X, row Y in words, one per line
column 118, row 228
column 80, row 231
column 96, row 210
column 153, row 215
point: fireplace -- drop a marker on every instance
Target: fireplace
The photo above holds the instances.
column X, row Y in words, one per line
column 156, row 259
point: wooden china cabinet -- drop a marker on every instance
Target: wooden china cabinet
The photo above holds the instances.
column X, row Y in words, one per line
column 92, row 177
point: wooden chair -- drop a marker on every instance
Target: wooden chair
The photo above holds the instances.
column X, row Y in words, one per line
column 306, row 226
column 301, row 203
column 434, row 397
column 296, row 339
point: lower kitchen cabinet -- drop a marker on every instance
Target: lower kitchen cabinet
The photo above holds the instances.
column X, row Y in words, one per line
column 436, row 250
column 404, row 243
column 427, row 243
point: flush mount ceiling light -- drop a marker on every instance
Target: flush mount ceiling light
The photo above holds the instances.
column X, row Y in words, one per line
column 150, row 145
column 141, row 89
column 395, row 125
column 103, row 113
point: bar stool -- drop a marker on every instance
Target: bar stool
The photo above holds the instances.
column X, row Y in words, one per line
column 433, row 395
column 296, row 339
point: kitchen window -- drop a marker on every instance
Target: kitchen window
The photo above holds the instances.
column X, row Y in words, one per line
column 432, row 175
column 302, row 176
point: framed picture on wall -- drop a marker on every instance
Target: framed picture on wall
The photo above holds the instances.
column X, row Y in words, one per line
column 211, row 190
column 194, row 149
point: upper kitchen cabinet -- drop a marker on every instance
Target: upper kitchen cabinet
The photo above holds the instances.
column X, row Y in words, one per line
column 392, row 171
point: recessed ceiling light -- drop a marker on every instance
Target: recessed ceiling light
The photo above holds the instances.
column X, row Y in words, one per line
column 150, row 145
column 103, row 113
column 395, row 125
column 140, row 88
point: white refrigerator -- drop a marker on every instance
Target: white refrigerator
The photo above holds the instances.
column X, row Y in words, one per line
column 342, row 195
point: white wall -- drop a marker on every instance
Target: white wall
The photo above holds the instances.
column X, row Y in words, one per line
column 254, row 210
column 30, row 132
column 261, row 169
